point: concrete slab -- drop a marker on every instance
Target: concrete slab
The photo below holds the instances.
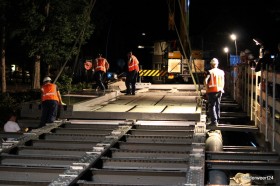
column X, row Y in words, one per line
column 180, row 109
column 166, row 123
column 146, row 100
column 115, row 108
column 166, row 86
column 135, row 116
column 177, row 100
column 148, row 109
column 124, row 100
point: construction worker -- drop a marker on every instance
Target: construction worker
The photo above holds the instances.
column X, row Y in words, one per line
column 51, row 98
column 101, row 66
column 214, row 83
column 11, row 125
column 133, row 69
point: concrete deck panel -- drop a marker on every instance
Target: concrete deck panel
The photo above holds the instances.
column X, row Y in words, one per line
column 145, row 105
column 134, row 116
column 115, row 108
column 181, row 109
column 148, row 109
column 152, row 102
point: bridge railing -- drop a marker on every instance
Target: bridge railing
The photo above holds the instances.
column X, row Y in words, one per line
column 259, row 95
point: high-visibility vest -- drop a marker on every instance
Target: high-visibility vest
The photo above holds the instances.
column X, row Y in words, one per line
column 101, row 64
column 49, row 92
column 133, row 64
column 216, row 80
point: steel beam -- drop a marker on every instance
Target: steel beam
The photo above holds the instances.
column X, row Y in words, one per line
column 242, row 165
column 56, row 144
column 37, row 161
column 159, row 139
column 239, row 128
column 137, row 177
column 240, row 148
column 250, row 156
column 25, row 174
column 148, row 155
column 158, row 147
column 163, row 133
column 146, row 164
column 91, row 131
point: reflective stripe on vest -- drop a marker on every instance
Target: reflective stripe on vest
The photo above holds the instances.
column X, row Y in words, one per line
column 216, row 82
column 49, row 92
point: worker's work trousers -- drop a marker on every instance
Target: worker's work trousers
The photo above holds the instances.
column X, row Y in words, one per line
column 49, row 112
column 214, row 101
column 99, row 75
column 131, row 82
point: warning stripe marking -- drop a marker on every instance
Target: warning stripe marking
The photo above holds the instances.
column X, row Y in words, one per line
column 152, row 73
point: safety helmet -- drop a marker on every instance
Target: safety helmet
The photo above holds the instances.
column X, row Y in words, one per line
column 247, row 51
column 214, row 61
column 250, row 56
column 47, row 79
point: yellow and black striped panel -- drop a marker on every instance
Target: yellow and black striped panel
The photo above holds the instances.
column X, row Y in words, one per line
column 152, row 72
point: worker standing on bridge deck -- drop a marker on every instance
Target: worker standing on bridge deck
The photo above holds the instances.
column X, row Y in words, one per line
column 51, row 98
column 101, row 66
column 214, row 83
column 133, row 69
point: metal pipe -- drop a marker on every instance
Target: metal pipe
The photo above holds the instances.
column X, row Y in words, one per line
column 252, row 91
column 248, row 92
column 266, row 104
column 256, row 98
column 218, row 177
column 214, row 143
column 261, row 98
column 273, row 109
column 244, row 88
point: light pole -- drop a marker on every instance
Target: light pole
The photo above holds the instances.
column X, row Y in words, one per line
column 226, row 51
column 233, row 37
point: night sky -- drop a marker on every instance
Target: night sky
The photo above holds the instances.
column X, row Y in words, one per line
column 210, row 24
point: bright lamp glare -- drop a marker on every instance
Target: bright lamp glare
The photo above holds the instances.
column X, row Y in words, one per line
column 226, row 50
column 233, row 36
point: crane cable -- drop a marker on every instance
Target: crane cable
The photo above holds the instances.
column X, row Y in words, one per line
column 198, row 90
column 79, row 38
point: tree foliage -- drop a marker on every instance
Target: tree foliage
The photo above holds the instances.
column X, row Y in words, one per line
column 50, row 28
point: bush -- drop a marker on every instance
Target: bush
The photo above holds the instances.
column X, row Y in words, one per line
column 11, row 102
column 65, row 85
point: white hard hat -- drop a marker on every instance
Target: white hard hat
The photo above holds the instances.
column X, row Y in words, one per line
column 247, row 51
column 47, row 79
column 250, row 56
column 214, row 61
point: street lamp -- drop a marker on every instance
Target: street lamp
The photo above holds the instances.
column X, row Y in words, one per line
column 226, row 51
column 233, row 37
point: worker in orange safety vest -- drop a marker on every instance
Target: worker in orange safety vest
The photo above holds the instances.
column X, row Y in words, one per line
column 101, row 66
column 133, row 69
column 214, row 83
column 51, row 98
